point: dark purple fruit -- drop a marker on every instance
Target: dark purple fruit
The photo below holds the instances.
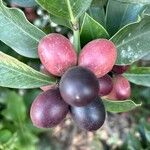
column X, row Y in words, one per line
column 48, row 109
column 90, row 117
column 78, row 86
column 120, row 69
column 105, row 85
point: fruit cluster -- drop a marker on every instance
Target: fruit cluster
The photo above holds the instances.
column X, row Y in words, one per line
column 84, row 80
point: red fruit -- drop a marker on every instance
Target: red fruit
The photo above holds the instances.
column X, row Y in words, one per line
column 105, row 85
column 30, row 14
column 43, row 70
column 121, row 88
column 99, row 56
column 120, row 69
column 48, row 109
column 56, row 53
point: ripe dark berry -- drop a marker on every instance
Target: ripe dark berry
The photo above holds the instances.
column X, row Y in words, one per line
column 120, row 69
column 105, row 85
column 99, row 56
column 78, row 86
column 48, row 109
column 121, row 88
column 90, row 117
column 56, row 53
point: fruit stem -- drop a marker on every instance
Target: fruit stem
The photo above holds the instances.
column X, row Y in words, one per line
column 76, row 38
column 75, row 28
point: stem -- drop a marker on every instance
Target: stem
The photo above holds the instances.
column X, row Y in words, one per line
column 75, row 28
column 76, row 40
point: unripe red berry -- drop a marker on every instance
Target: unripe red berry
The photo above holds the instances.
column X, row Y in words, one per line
column 105, row 85
column 56, row 53
column 121, row 88
column 30, row 14
column 99, row 56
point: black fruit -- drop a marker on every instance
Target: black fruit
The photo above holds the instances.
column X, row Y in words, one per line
column 90, row 117
column 105, row 85
column 48, row 109
column 79, row 86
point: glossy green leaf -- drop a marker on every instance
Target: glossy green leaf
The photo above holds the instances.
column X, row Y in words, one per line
column 67, row 9
column 23, row 3
column 91, row 30
column 119, row 14
column 18, row 33
column 146, row 10
column 15, row 74
column 135, row 1
column 132, row 41
column 16, row 110
column 117, row 106
column 97, row 11
column 140, row 76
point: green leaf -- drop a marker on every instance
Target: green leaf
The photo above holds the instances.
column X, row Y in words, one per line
column 67, row 9
column 117, row 106
column 140, row 76
column 131, row 143
column 18, row 33
column 119, row 14
column 16, row 110
column 15, row 74
column 97, row 11
column 132, row 41
column 60, row 21
column 135, row 1
column 146, row 11
column 91, row 30
column 5, row 135
column 23, row 3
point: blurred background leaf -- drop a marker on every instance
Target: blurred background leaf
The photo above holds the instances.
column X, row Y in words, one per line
column 23, row 3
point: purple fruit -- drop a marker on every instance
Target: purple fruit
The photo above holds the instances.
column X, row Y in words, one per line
column 78, row 86
column 48, row 109
column 120, row 69
column 105, row 85
column 90, row 117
